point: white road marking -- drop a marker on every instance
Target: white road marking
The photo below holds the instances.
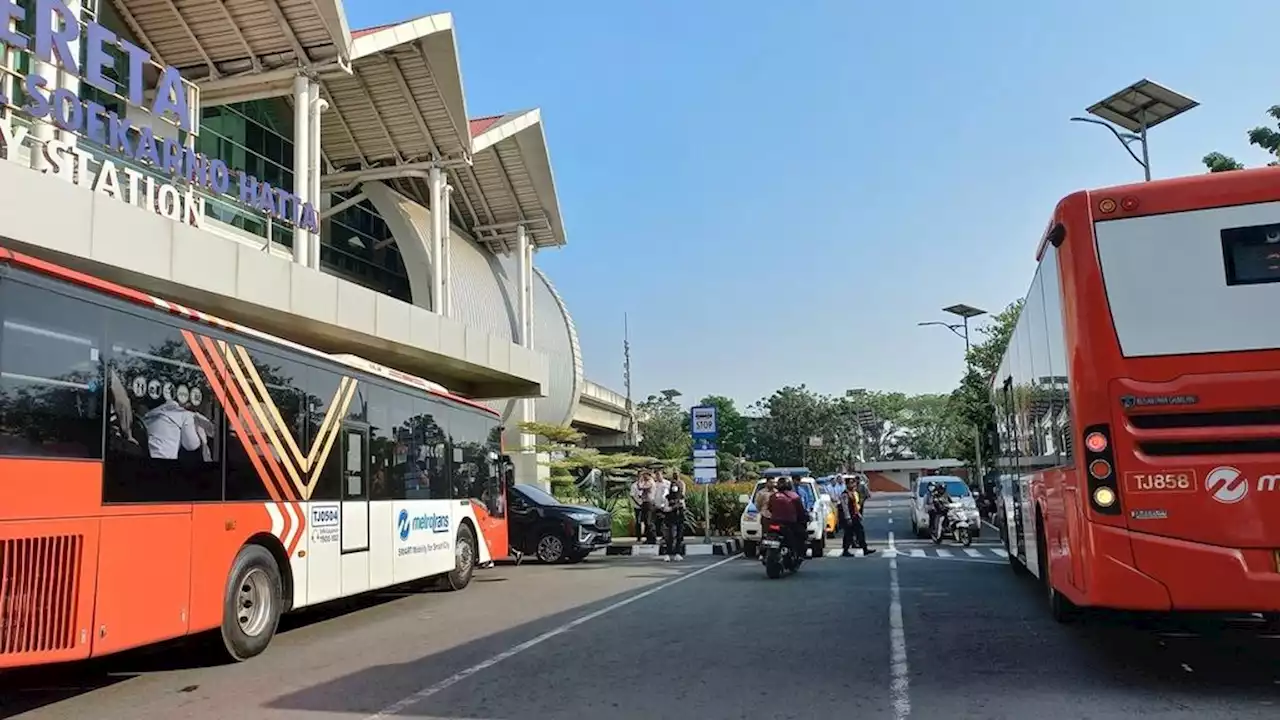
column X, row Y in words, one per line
column 1001, row 552
column 917, row 553
column 972, row 553
column 458, row 677
column 942, row 553
column 899, row 672
column 890, row 521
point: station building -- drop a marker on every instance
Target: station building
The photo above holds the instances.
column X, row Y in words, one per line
column 261, row 161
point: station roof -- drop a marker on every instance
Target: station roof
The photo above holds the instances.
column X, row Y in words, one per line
column 408, row 75
column 211, row 39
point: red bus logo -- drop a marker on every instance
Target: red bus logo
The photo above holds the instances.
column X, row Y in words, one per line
column 1226, row 485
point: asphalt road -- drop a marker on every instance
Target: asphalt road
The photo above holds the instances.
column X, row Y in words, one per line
column 908, row 635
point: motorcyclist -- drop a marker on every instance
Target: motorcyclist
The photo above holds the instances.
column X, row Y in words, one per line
column 787, row 509
column 939, row 504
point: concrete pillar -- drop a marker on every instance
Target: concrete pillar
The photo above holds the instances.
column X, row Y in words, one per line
column 301, row 161
column 528, row 467
column 435, row 187
column 447, row 235
column 318, row 106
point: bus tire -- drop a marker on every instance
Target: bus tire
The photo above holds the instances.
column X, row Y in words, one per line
column 252, row 603
column 464, row 555
column 1060, row 608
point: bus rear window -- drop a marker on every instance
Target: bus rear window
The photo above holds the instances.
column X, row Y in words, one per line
column 1193, row 282
column 1251, row 255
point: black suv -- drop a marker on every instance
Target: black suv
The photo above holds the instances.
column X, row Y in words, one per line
column 542, row 526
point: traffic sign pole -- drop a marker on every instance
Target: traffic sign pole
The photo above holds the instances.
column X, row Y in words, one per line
column 704, row 430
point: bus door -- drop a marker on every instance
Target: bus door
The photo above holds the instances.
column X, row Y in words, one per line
column 355, row 487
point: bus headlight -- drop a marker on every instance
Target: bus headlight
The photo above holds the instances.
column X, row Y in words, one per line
column 1104, row 497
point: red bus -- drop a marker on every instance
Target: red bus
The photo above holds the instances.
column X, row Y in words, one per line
column 163, row 472
column 1138, row 402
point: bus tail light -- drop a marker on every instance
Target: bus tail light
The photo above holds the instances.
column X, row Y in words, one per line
column 1095, row 442
column 1100, row 462
column 1107, row 206
column 1129, row 204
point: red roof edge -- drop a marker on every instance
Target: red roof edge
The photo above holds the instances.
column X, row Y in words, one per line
column 370, row 30
column 480, row 124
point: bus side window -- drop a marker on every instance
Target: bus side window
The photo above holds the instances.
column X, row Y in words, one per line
column 51, row 386
column 164, row 429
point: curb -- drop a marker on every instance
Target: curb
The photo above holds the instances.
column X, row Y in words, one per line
column 732, row 546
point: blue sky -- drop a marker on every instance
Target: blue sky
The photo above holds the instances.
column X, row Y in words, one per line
column 777, row 192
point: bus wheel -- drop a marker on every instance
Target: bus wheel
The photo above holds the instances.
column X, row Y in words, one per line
column 252, row 603
column 464, row 559
column 1060, row 608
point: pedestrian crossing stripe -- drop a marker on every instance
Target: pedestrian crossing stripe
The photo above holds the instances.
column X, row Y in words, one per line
column 981, row 553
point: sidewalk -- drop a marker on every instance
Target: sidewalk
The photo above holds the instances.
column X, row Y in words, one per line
column 629, row 546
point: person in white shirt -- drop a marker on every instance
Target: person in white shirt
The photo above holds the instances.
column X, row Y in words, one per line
column 171, row 427
column 642, row 508
column 660, row 510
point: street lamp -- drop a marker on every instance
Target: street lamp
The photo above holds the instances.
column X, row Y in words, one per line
column 961, row 329
column 1138, row 108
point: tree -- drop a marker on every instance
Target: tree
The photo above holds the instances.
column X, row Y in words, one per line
column 1217, row 162
column 663, row 426
column 586, row 470
column 1261, row 137
column 930, row 426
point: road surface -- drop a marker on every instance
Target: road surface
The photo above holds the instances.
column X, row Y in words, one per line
column 917, row 635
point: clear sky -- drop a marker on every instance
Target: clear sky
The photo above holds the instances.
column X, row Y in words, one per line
column 777, row 192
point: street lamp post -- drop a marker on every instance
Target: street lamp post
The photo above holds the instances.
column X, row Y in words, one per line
column 1137, row 109
column 961, row 329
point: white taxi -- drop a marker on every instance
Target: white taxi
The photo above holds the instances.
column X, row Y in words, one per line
column 818, row 503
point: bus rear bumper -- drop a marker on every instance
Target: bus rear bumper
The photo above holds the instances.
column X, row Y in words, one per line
column 1203, row 578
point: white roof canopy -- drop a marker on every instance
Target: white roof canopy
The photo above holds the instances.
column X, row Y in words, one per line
column 210, row 39
column 402, row 109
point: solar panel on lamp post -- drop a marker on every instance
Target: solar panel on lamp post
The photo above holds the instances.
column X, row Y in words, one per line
column 964, row 312
column 1137, row 109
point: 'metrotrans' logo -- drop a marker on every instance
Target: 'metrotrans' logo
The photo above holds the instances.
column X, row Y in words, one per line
column 402, row 523
column 426, row 521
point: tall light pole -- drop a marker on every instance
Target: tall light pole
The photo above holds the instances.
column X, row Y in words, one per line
column 1137, row 109
column 961, row 329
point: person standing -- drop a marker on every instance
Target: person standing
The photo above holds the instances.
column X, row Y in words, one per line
column 673, row 533
column 851, row 512
column 761, row 500
column 660, row 487
column 642, row 507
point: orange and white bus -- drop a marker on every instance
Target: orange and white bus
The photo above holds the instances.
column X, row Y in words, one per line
column 1138, row 401
column 163, row 472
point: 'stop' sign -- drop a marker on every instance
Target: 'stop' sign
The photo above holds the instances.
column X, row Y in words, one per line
column 702, row 421
column 56, row 28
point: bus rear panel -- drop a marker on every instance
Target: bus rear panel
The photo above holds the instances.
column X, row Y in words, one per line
column 1162, row 491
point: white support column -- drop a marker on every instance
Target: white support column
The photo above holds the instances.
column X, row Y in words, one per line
column 301, row 161
column 447, row 235
column 435, row 183
column 527, row 466
column 318, row 106
column 522, row 284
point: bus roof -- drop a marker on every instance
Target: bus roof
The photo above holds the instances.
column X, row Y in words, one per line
column 49, row 269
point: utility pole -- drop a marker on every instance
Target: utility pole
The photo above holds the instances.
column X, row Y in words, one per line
column 626, row 380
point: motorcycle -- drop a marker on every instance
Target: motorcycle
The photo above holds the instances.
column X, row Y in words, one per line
column 954, row 522
column 776, row 552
